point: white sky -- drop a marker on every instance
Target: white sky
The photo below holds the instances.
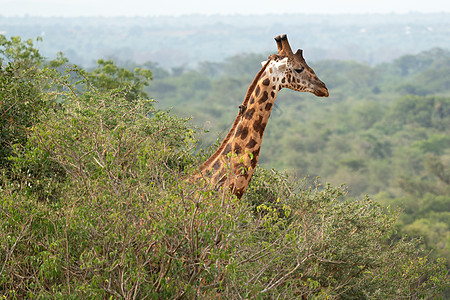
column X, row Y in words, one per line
column 73, row 8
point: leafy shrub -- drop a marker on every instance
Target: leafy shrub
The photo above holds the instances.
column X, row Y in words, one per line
column 20, row 99
column 109, row 214
column 108, row 76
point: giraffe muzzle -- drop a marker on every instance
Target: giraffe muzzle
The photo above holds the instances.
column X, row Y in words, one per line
column 321, row 90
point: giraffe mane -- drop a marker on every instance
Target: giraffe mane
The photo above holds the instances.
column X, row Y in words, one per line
column 252, row 86
column 250, row 90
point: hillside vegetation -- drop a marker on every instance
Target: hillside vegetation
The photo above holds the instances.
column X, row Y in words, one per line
column 94, row 204
column 192, row 39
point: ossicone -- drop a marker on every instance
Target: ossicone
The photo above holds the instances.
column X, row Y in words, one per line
column 284, row 49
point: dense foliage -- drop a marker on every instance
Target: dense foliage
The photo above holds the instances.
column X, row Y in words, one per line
column 94, row 204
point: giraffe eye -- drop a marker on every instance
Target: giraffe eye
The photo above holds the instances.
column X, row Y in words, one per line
column 299, row 70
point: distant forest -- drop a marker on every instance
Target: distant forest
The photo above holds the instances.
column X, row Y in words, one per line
column 188, row 40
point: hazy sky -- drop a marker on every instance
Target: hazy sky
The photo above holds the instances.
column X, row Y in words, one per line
column 180, row 7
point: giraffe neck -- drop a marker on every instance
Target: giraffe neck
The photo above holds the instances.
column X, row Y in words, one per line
column 235, row 161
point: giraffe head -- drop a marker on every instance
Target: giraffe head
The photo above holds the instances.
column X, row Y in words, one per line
column 293, row 71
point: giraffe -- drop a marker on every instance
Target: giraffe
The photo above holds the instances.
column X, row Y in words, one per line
column 234, row 162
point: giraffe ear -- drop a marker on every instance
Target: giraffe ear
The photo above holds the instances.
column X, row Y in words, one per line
column 263, row 63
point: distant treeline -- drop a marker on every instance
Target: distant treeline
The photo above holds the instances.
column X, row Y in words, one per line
column 188, row 40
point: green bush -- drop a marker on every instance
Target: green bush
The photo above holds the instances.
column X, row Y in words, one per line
column 126, row 224
column 96, row 204
column 107, row 76
column 20, row 99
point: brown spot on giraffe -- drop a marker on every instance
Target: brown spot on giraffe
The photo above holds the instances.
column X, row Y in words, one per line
column 255, row 158
column 239, row 192
column 257, row 91
column 227, row 150
column 264, row 97
column 252, row 143
column 245, row 135
column 238, row 131
column 258, row 126
column 249, row 114
column 237, row 149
